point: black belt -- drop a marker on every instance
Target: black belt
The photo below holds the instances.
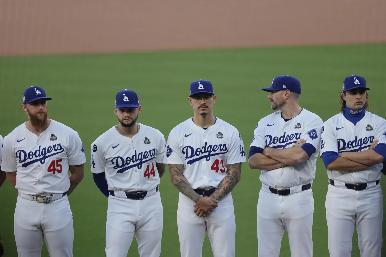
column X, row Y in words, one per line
column 287, row 191
column 205, row 191
column 356, row 187
column 134, row 195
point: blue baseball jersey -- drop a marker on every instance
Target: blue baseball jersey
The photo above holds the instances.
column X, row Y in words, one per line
column 273, row 131
column 341, row 135
column 205, row 152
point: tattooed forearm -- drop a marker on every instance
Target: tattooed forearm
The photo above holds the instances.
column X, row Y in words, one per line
column 229, row 181
column 179, row 180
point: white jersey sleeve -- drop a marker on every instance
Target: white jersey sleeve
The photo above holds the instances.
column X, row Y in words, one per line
column 329, row 141
column 380, row 133
column 76, row 154
column 258, row 136
column 313, row 130
column 1, row 148
column 8, row 163
column 97, row 158
column 236, row 153
column 161, row 149
column 174, row 152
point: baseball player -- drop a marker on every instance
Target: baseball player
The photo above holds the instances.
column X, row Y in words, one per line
column 2, row 178
column 353, row 148
column 127, row 163
column 204, row 154
column 2, row 174
column 43, row 159
column 285, row 149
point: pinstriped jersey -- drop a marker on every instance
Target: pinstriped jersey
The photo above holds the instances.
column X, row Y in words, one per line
column 273, row 131
column 341, row 135
column 129, row 163
column 205, row 152
column 42, row 161
column 1, row 147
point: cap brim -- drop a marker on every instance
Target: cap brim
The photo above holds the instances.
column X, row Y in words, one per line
column 202, row 92
column 269, row 89
column 39, row 99
column 127, row 106
column 353, row 88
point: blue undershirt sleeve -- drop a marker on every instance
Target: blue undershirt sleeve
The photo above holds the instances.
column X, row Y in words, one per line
column 253, row 150
column 329, row 157
column 381, row 149
column 100, row 181
column 309, row 149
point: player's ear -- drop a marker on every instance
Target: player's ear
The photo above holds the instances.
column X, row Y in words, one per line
column 190, row 100
column 140, row 108
column 24, row 107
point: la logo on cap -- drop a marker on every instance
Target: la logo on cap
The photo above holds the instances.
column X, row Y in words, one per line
column 125, row 98
column 356, row 81
column 200, row 86
column 37, row 91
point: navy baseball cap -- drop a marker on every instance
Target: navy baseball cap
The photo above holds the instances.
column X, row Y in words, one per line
column 33, row 94
column 126, row 99
column 284, row 82
column 201, row 87
column 354, row 82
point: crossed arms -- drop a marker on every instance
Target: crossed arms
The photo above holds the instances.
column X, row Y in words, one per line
column 272, row 158
column 356, row 161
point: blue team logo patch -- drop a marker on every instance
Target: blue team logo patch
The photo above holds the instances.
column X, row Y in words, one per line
column 53, row 137
column 169, row 151
column 298, row 126
column 313, row 134
column 94, row 148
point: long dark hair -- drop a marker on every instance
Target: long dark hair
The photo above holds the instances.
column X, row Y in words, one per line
column 343, row 102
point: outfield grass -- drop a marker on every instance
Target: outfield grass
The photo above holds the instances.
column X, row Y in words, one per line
column 83, row 89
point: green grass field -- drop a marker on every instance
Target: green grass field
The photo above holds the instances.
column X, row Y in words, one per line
column 83, row 89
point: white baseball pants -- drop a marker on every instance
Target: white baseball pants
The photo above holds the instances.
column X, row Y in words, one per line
column 292, row 213
column 52, row 222
column 220, row 226
column 345, row 209
column 127, row 218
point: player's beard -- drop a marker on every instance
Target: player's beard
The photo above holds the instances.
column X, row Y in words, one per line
column 39, row 119
column 128, row 125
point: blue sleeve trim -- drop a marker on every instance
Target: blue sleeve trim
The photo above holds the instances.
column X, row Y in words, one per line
column 100, row 181
column 253, row 150
column 381, row 149
column 329, row 157
column 309, row 149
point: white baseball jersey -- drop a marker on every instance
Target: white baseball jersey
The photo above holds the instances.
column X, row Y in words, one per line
column 341, row 135
column 1, row 148
column 129, row 163
column 273, row 131
column 205, row 152
column 42, row 162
